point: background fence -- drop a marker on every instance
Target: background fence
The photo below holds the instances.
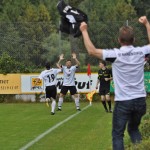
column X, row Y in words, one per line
column 25, row 47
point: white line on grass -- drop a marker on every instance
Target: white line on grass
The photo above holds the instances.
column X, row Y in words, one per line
column 50, row 130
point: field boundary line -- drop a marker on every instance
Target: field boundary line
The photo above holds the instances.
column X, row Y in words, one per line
column 51, row 129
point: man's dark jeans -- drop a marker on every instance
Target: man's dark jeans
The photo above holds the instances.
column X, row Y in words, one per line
column 127, row 113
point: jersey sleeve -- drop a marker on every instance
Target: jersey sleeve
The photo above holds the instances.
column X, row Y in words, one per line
column 41, row 76
column 146, row 49
column 74, row 67
column 58, row 71
column 109, row 55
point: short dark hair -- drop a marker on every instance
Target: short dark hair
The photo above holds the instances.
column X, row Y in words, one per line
column 68, row 60
column 103, row 62
column 47, row 65
column 126, row 35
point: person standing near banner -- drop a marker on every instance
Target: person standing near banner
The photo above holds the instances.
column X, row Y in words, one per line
column 68, row 81
column 49, row 76
column 128, row 76
column 104, row 78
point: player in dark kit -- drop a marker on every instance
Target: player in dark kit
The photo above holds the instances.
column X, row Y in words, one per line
column 104, row 78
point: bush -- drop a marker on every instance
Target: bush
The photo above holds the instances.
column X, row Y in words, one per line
column 145, row 128
column 145, row 145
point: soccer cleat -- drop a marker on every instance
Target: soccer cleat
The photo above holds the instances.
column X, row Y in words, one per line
column 59, row 109
column 52, row 113
column 78, row 109
column 110, row 111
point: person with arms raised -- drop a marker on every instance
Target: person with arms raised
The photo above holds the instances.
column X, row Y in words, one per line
column 128, row 76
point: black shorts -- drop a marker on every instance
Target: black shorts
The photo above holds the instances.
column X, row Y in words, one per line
column 65, row 89
column 104, row 91
column 51, row 91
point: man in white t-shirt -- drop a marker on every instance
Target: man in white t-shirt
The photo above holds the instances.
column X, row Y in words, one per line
column 49, row 76
column 68, row 80
column 128, row 75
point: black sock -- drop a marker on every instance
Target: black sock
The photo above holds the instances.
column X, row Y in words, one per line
column 109, row 104
column 104, row 104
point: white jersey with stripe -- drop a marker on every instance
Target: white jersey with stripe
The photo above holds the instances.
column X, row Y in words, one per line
column 128, row 71
column 69, row 75
column 49, row 76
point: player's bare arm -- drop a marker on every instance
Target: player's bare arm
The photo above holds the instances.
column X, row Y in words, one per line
column 74, row 56
column 88, row 44
column 145, row 22
column 61, row 57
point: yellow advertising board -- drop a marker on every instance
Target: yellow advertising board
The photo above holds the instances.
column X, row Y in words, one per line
column 10, row 84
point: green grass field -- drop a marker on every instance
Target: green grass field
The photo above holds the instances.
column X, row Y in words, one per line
column 21, row 123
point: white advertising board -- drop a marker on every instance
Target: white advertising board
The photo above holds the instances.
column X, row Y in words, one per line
column 81, row 81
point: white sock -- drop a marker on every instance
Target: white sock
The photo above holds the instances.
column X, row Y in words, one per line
column 53, row 105
column 77, row 102
column 60, row 102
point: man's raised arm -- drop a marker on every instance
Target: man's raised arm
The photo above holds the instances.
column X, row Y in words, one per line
column 144, row 21
column 88, row 44
column 75, row 58
column 61, row 57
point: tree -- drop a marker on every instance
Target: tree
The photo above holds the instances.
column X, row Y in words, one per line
column 105, row 19
column 55, row 46
column 27, row 26
column 142, row 7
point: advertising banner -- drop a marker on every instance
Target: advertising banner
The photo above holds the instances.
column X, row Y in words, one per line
column 10, row 84
column 23, row 83
column 82, row 83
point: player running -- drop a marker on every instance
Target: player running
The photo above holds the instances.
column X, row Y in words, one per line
column 68, row 81
column 49, row 77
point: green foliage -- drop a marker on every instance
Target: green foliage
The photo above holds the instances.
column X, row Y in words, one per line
column 54, row 48
column 74, row 3
column 145, row 128
column 141, row 7
column 24, row 38
column 29, row 28
column 142, row 146
column 9, row 65
column 105, row 19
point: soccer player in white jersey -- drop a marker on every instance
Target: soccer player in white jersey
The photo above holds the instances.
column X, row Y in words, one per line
column 68, row 80
column 128, row 75
column 49, row 76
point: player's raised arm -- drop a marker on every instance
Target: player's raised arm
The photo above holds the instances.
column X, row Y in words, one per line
column 145, row 22
column 61, row 57
column 74, row 56
column 87, row 42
